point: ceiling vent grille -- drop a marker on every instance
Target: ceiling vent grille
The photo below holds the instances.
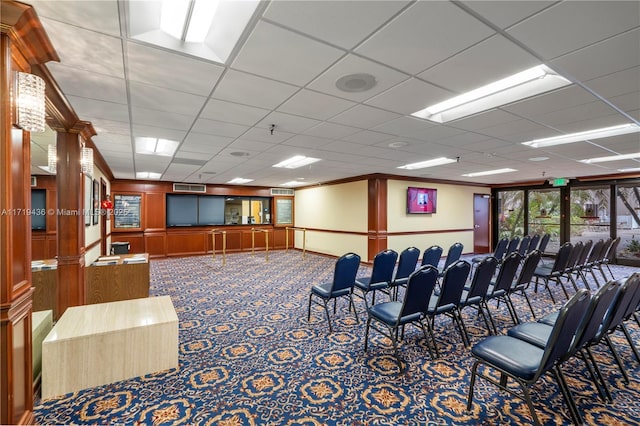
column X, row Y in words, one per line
column 282, row 191
column 186, row 187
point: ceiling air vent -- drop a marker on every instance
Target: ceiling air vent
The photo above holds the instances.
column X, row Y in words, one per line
column 281, row 191
column 186, row 187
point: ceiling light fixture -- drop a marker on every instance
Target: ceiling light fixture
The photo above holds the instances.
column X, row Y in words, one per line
column 52, row 158
column 611, row 158
column 604, row 132
column 188, row 20
column 629, row 170
column 296, row 161
column 148, row 175
column 519, row 86
column 429, row 163
column 156, row 146
column 86, row 160
column 240, row 181
column 293, row 183
column 489, row 172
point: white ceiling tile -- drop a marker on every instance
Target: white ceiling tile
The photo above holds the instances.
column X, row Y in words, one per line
column 572, row 25
column 249, row 89
column 587, row 111
column 89, row 109
column 182, row 153
column 306, row 141
column 86, row 50
column 364, row 116
column 423, row 35
column 409, row 96
column 169, row 120
column 158, row 98
column 287, row 122
column 618, row 83
column 367, row 137
column 513, row 129
column 546, row 103
column 84, row 84
column 140, row 130
column 264, row 135
column 503, row 14
column 95, row 15
column 615, row 54
column 404, row 126
column 483, row 120
column 283, row 55
column 178, row 72
column 315, row 105
column 218, row 128
column 232, row 112
column 490, row 60
column 202, row 143
column 331, row 130
column 351, row 21
column 351, row 64
column 628, row 102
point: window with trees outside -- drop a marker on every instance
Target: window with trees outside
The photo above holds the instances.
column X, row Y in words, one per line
column 628, row 222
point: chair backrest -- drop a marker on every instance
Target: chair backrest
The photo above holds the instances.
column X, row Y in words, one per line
column 595, row 252
column 601, row 303
column 453, row 255
column 407, row 262
column 575, row 254
column 562, row 258
column 628, row 289
column 586, row 250
column 611, row 251
column 524, row 245
column 605, row 249
column 346, row 269
column 432, row 256
column 564, row 330
column 544, row 241
column 533, row 244
column 419, row 289
column 453, row 282
column 501, row 248
column 383, row 265
column 482, row 277
column 513, row 245
column 528, row 268
column 633, row 304
column 507, row 273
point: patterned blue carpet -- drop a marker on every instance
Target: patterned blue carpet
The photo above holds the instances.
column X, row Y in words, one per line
column 248, row 356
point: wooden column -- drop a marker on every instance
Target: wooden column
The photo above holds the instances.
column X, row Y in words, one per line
column 23, row 43
column 70, row 221
column 377, row 208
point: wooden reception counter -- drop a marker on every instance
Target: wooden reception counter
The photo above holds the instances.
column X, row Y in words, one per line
column 44, row 279
column 93, row 345
column 122, row 277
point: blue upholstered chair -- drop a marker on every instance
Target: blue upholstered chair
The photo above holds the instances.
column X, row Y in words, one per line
column 526, row 363
column 344, row 278
column 512, row 246
column 533, row 243
column 523, row 248
column 474, row 295
column 447, row 300
column 381, row 275
column 407, row 262
column 500, row 286
column 498, row 253
column 554, row 271
column 388, row 317
column 522, row 281
column 544, row 242
column 432, row 256
column 453, row 255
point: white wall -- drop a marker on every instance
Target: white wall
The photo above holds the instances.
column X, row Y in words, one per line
column 92, row 232
column 341, row 207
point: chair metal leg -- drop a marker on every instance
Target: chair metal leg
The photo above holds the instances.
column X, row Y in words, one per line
column 366, row 334
column 493, row 329
column 457, row 317
column 529, row 401
column 630, row 340
column 309, row 308
column 431, row 326
column 607, row 265
column 576, row 417
column 596, row 375
column 352, row 305
column 625, row 376
column 472, row 383
column 426, row 338
column 394, row 341
column 603, row 382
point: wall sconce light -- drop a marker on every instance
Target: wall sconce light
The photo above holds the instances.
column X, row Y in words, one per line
column 30, row 102
column 86, row 160
column 52, row 158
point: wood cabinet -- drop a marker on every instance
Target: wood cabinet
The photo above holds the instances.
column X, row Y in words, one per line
column 113, row 278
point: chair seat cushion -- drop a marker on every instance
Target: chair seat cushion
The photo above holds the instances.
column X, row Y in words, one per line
column 399, row 281
column 543, row 271
column 535, row 333
column 466, row 300
column 389, row 312
column 549, row 319
column 516, row 357
column 366, row 284
column 324, row 290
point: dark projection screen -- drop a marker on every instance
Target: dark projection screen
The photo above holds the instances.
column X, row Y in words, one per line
column 38, row 209
column 182, row 210
column 210, row 210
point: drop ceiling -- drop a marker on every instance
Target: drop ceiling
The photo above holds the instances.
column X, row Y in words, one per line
column 283, row 73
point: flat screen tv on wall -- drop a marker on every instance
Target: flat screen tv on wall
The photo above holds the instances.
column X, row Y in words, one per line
column 421, row 200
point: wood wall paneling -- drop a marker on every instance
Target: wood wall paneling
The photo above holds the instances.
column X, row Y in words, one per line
column 154, row 211
column 186, row 243
column 136, row 241
column 155, row 244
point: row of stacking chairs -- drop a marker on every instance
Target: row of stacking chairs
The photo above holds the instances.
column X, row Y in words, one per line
column 573, row 262
column 531, row 350
column 523, row 246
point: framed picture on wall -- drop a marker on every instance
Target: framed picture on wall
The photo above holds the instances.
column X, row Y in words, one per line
column 96, row 202
column 88, row 190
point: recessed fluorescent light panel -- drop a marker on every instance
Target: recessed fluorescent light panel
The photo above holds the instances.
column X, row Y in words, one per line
column 296, row 161
column 490, row 172
column 148, row 175
column 207, row 29
column 632, row 169
column 611, row 158
column 429, row 163
column 239, row 181
column 519, row 86
column 587, row 135
column 293, row 183
column 156, row 146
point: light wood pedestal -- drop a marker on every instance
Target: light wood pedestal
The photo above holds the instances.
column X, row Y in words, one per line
column 94, row 345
